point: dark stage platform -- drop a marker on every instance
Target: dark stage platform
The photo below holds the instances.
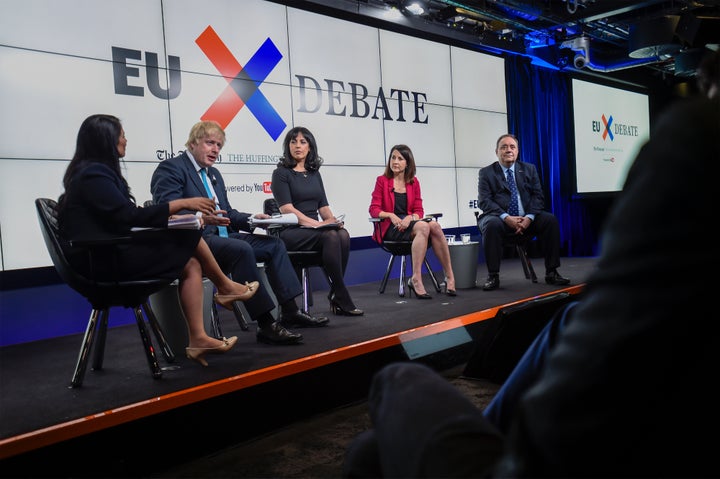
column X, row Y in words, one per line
column 121, row 417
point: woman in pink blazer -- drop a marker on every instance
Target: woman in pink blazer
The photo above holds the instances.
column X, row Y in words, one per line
column 397, row 199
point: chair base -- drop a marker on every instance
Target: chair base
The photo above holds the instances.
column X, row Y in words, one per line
column 526, row 263
column 98, row 323
column 403, row 275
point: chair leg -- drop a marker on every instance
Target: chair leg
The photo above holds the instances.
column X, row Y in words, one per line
column 147, row 343
column 383, row 285
column 401, row 289
column 99, row 343
column 239, row 316
column 433, row 278
column 305, row 281
column 237, row 311
column 81, row 364
column 526, row 263
column 167, row 351
column 215, row 321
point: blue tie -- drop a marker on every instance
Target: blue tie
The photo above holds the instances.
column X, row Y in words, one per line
column 513, row 209
column 222, row 230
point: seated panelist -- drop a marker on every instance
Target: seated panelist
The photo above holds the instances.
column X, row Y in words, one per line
column 298, row 188
column 398, row 200
column 513, row 205
column 97, row 203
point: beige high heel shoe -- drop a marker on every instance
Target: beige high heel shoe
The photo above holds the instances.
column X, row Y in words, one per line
column 226, row 300
column 198, row 354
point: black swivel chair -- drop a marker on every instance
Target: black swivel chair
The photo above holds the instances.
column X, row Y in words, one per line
column 302, row 260
column 102, row 295
column 520, row 243
column 403, row 249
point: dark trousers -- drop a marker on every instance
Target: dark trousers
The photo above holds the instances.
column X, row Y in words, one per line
column 334, row 246
column 502, row 408
column 422, row 427
column 495, row 234
column 239, row 255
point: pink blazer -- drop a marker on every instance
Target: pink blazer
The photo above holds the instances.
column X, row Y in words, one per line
column 383, row 199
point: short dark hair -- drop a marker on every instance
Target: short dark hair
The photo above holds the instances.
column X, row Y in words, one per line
column 506, row 135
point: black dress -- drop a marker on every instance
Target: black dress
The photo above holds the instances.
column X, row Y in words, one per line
column 394, row 234
column 97, row 205
column 307, row 193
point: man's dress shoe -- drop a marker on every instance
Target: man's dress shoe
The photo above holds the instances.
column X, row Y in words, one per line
column 493, row 282
column 298, row 319
column 554, row 278
column 277, row 334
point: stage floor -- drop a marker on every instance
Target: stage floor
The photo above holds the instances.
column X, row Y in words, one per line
column 37, row 408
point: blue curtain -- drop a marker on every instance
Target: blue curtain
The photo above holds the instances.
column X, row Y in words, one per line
column 540, row 115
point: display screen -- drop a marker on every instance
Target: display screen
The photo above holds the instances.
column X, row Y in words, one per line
column 611, row 125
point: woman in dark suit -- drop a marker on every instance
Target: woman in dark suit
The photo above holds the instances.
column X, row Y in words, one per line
column 97, row 204
column 298, row 188
column 398, row 199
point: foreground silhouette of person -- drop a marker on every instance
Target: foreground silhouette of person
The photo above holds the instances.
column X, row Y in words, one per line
column 627, row 390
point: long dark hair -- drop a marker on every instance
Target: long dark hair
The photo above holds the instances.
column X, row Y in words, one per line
column 97, row 142
column 313, row 162
column 410, row 169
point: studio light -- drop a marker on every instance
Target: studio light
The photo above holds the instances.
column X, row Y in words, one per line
column 654, row 38
column 581, row 47
column 416, row 7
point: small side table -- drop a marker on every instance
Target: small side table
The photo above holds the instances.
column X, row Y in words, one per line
column 464, row 259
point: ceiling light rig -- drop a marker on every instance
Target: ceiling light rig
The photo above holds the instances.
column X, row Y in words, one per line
column 415, row 7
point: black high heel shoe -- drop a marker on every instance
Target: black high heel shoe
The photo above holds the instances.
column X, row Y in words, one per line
column 339, row 311
column 411, row 289
column 449, row 292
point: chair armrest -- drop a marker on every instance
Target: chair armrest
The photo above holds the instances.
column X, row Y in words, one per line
column 136, row 235
column 375, row 220
column 274, row 229
column 434, row 215
column 91, row 242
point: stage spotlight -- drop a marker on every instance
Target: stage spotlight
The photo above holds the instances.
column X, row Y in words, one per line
column 416, row 7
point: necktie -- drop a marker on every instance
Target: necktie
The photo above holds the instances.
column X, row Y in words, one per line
column 513, row 207
column 222, row 230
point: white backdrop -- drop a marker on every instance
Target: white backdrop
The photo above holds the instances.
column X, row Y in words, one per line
column 57, row 67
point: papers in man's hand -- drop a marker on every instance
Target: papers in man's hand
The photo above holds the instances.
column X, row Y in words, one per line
column 280, row 219
column 184, row 222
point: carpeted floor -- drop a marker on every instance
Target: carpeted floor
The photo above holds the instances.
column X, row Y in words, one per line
column 313, row 448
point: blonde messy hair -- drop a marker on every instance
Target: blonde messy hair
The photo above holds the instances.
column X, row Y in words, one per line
column 202, row 130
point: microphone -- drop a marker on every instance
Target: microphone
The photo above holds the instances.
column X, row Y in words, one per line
column 213, row 180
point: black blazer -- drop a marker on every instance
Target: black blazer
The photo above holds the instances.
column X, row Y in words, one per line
column 494, row 193
column 177, row 178
column 98, row 206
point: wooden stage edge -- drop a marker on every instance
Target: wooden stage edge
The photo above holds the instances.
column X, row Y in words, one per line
column 25, row 442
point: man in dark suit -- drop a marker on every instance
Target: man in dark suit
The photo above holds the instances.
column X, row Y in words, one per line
column 502, row 218
column 236, row 250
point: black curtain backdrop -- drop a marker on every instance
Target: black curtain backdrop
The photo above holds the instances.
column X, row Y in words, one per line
column 540, row 115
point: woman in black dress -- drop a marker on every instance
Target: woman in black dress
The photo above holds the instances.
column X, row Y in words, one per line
column 298, row 188
column 97, row 204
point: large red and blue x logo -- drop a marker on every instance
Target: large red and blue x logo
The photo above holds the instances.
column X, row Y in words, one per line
column 243, row 83
column 607, row 131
